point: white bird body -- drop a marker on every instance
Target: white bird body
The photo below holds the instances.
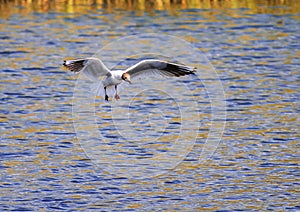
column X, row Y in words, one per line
column 94, row 68
column 114, row 79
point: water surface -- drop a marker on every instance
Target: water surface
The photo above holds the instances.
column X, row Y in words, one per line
column 255, row 50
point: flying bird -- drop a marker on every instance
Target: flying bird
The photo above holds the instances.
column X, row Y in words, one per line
column 94, row 68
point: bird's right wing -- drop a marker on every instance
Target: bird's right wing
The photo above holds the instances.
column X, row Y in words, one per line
column 92, row 67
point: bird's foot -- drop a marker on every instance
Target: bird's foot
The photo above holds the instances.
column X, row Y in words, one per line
column 106, row 98
column 117, row 97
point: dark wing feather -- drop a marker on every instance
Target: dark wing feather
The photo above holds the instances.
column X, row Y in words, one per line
column 148, row 67
column 75, row 65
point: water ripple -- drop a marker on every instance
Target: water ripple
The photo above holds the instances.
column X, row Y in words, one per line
column 256, row 55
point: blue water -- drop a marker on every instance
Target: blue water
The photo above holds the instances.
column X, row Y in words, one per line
column 255, row 167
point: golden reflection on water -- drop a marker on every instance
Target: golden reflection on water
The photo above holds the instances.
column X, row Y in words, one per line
column 23, row 7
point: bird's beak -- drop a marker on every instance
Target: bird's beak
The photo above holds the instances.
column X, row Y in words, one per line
column 129, row 81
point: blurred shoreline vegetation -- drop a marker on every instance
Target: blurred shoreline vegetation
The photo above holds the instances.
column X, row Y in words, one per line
column 23, row 7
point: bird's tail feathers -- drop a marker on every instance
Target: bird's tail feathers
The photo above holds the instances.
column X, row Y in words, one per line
column 97, row 89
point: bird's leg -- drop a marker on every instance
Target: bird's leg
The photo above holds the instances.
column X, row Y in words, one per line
column 106, row 97
column 116, row 95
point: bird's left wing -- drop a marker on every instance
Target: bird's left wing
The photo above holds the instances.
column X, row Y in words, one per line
column 159, row 67
column 93, row 68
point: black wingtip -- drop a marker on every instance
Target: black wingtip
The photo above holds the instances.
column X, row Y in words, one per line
column 74, row 65
column 193, row 72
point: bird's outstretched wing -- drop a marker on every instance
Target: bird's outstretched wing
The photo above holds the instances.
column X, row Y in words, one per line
column 92, row 67
column 160, row 67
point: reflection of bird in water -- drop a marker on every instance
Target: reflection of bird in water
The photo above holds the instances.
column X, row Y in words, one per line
column 94, row 68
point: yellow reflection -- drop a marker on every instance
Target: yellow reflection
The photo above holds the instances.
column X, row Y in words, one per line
column 22, row 7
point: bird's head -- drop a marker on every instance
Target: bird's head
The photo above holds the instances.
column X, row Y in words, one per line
column 126, row 77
